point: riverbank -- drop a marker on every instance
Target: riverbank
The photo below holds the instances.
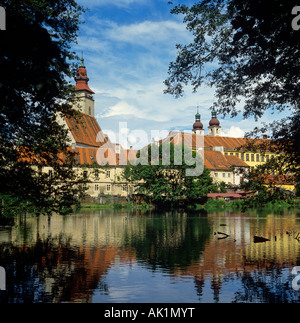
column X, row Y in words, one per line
column 210, row 205
column 116, row 206
column 243, row 205
column 11, row 208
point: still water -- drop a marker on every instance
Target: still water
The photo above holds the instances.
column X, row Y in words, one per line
column 108, row 256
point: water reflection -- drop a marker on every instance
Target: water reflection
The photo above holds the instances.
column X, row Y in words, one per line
column 108, row 256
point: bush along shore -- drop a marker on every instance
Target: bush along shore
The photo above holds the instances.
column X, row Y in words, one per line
column 10, row 207
column 210, row 205
column 243, row 205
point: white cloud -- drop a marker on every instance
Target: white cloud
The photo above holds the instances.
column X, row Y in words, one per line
column 127, row 62
column 116, row 3
column 123, row 108
column 148, row 32
column 234, row 131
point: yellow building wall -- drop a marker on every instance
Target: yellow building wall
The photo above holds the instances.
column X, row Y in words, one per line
column 254, row 159
column 251, row 158
column 102, row 181
column 222, row 176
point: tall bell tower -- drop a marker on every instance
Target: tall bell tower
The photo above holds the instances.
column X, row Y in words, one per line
column 84, row 94
column 198, row 125
column 214, row 128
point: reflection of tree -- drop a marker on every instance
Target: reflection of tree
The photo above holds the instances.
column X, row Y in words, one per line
column 170, row 242
column 263, row 287
column 48, row 272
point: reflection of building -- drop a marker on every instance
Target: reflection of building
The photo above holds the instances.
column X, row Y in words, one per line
column 74, row 254
column 238, row 255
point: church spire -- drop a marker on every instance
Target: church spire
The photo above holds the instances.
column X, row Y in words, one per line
column 198, row 126
column 82, row 80
column 85, row 99
column 214, row 128
column 82, row 60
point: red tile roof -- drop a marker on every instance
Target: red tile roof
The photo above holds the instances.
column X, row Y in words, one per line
column 104, row 156
column 279, row 179
column 86, row 131
column 229, row 143
column 215, row 160
column 236, row 161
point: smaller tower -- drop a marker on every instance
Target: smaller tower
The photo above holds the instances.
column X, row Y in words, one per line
column 84, row 94
column 198, row 126
column 214, row 128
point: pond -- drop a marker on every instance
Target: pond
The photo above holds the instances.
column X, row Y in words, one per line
column 108, row 256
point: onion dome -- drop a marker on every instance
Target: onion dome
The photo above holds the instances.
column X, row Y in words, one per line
column 82, row 79
column 198, row 125
column 214, row 122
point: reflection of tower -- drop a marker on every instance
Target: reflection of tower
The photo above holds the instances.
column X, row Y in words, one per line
column 216, row 284
column 199, row 284
column 214, row 128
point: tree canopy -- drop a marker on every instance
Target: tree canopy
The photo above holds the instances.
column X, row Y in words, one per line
column 163, row 179
column 250, row 53
column 36, row 62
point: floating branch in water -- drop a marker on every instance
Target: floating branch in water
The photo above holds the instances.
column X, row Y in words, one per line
column 260, row 239
column 224, row 234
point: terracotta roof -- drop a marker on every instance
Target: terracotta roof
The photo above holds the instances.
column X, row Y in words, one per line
column 86, row 131
column 279, row 179
column 236, row 161
column 226, row 142
column 104, row 156
column 191, row 140
column 229, row 143
column 215, row 160
column 25, row 155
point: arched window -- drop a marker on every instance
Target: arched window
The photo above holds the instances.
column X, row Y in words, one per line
column 90, row 111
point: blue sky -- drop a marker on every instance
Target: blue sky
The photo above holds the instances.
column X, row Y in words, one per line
column 127, row 46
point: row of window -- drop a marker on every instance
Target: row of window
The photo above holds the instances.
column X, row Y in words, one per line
column 96, row 174
column 85, row 173
column 223, row 175
column 252, row 157
column 108, row 188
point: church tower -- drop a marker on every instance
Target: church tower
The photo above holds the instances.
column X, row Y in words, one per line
column 198, row 126
column 214, row 128
column 84, row 94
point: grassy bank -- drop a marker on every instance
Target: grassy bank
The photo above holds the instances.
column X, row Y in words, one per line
column 116, row 206
column 241, row 205
column 95, row 206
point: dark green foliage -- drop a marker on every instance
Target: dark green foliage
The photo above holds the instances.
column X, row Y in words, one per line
column 248, row 51
column 35, row 62
column 169, row 185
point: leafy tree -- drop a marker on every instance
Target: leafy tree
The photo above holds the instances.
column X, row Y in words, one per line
column 250, row 53
column 167, row 184
column 36, row 62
